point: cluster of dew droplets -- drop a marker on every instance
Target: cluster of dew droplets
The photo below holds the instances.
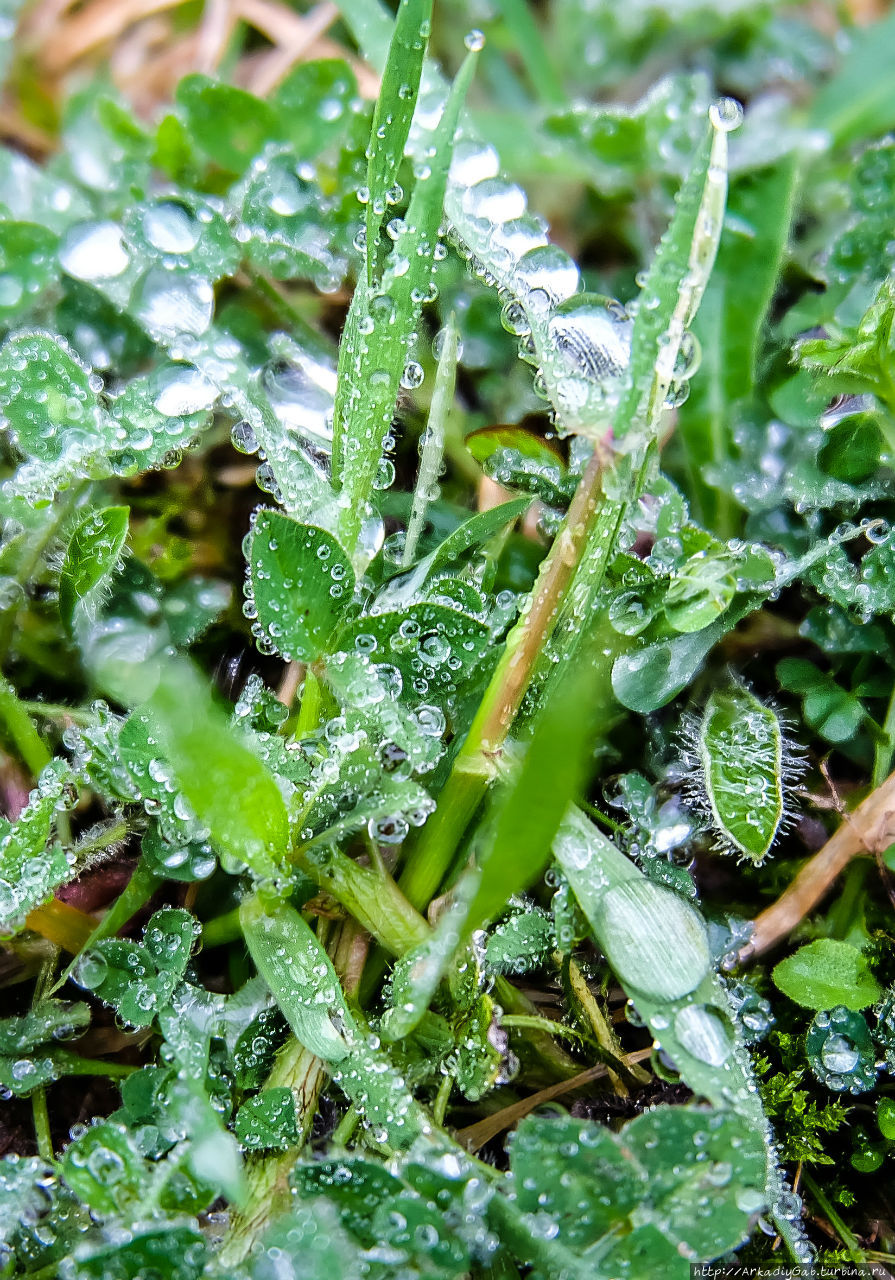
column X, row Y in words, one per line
column 34, row 878
column 374, row 736
column 840, row 1050
column 579, row 343
column 300, row 390
column 284, row 217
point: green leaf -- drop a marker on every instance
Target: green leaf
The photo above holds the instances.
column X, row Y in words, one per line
column 645, row 1186
column 740, row 748
column 826, row 973
column 731, row 317
column 831, row 710
column 29, row 871
column 646, row 679
column 300, row 581
column 254, row 1052
column 230, row 125
column 138, row 979
column 700, row 590
column 518, row 459
column 392, row 115
column 673, row 288
column 301, row 977
column 226, row 785
column 860, row 99
column 46, row 396
column 27, row 266
column 529, row 812
column 314, row 101
column 289, row 225
column 91, row 560
column 172, row 1250
column 305, row 985
column 47, row 1021
column 267, row 1121
column 424, row 642
column 521, row 942
column 105, row 1170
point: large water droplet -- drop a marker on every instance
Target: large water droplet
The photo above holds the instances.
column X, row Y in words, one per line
column 170, row 303
column 170, row 227
column 94, row 251
column 592, row 335
column 301, row 392
column 183, row 389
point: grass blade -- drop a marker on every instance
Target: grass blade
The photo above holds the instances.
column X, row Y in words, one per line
column 393, row 114
column 530, row 812
column 380, row 327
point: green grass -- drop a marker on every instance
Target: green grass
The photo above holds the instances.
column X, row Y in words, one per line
column 419, row 721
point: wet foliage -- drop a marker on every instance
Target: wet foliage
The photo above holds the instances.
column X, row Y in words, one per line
column 430, row 652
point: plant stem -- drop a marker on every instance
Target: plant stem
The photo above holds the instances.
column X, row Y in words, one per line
column 433, row 440
column 32, row 750
column 533, row 1022
column 602, row 1029
column 870, row 828
column 476, row 1135
column 222, row 929
column 855, row 1252
column 439, row 1109
column 884, row 750
column 473, row 767
column 42, row 1124
column 78, row 1066
column 345, row 1129
column 373, row 898
column 267, row 1179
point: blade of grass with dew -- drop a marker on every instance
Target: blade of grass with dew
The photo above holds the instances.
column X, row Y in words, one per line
column 529, row 813
column 658, row 947
column 525, row 817
column 380, row 328
column 729, row 326
column 674, row 286
column 564, row 597
column 305, row 985
column 432, row 450
column 669, row 301
column 392, row 116
column 478, row 529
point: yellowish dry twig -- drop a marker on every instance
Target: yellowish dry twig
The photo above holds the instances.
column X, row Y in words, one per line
column 870, row 829
column 476, row 1135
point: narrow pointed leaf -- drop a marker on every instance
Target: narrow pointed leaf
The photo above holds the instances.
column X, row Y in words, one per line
column 380, row 326
column 393, row 114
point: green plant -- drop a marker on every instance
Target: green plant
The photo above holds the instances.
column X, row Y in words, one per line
column 386, row 879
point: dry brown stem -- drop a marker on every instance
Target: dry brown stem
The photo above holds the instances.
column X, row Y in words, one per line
column 476, row 1135
column 870, row 829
